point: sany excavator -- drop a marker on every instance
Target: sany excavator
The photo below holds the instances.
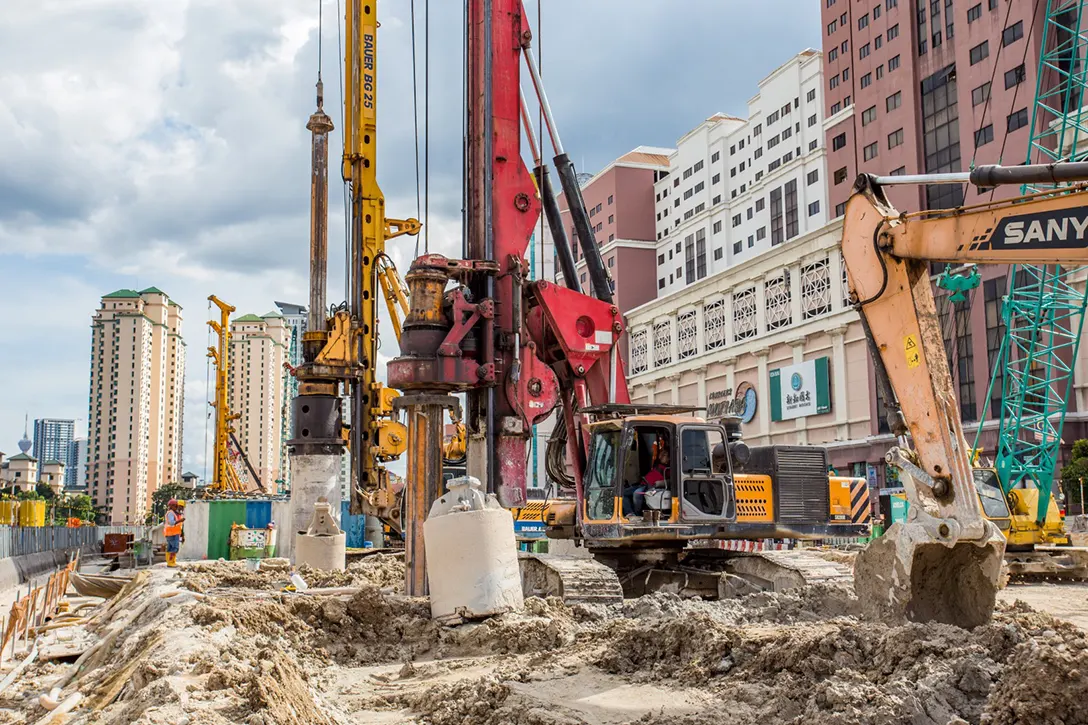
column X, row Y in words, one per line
column 521, row 350
column 944, row 562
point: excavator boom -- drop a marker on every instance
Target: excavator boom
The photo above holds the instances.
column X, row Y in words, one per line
column 944, row 563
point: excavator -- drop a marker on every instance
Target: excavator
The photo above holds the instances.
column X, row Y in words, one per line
column 521, row 350
column 944, row 563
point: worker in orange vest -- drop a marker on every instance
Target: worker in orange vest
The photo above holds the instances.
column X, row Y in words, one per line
column 172, row 531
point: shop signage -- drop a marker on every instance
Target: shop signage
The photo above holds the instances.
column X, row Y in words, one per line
column 800, row 390
column 723, row 403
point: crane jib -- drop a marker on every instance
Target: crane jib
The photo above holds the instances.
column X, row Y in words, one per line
column 1056, row 229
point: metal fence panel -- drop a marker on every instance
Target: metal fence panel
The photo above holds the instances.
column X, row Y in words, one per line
column 22, row 540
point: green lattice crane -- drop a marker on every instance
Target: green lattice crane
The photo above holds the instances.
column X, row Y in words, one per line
column 1044, row 309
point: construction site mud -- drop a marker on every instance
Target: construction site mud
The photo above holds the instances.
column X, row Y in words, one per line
column 251, row 653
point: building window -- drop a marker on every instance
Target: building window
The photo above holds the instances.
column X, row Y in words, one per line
column 893, row 63
column 776, row 217
column 737, row 247
column 792, row 224
column 1014, row 76
column 832, row 26
column 813, row 177
column 880, row 71
column 758, row 152
column 991, row 4
column 1018, row 120
column 700, row 254
column 866, row 80
column 838, row 142
column 840, row 209
column 813, row 144
column 840, row 175
column 812, row 120
column 870, row 151
column 610, row 200
column 815, row 289
column 836, row 107
column 984, row 135
column 940, row 142
column 811, row 96
column 715, row 179
column 980, row 52
column 744, row 314
column 893, row 101
column 1012, row 33
column 901, row 171
column 814, row 208
column 612, row 217
column 698, row 187
column 834, row 82
column 698, row 166
column 889, row 4
column 863, row 51
column 717, row 199
column 845, row 74
column 974, row 13
column 993, row 290
column 758, row 129
column 736, row 220
column 893, row 32
column 895, row 138
column 937, row 39
column 923, row 46
column 981, row 94
column 760, row 204
column 749, row 213
column 715, row 156
column 868, row 115
column 776, row 293
column 717, row 227
column 863, row 21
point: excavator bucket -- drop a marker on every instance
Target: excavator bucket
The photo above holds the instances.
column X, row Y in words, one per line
column 909, row 574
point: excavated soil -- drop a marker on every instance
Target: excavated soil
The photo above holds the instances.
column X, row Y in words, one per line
column 381, row 570
column 253, row 654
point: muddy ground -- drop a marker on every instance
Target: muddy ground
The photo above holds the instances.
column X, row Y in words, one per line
column 218, row 644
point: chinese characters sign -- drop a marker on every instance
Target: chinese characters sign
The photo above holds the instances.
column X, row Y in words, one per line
column 800, row 390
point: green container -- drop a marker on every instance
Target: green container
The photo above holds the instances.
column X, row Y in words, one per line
column 221, row 516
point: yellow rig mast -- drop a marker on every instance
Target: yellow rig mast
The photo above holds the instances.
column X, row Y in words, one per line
column 225, row 478
column 341, row 349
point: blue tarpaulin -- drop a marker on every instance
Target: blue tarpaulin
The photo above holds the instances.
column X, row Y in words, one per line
column 258, row 514
column 353, row 526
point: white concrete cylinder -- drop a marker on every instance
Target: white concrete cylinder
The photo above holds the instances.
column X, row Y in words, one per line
column 472, row 564
column 312, row 477
column 328, row 553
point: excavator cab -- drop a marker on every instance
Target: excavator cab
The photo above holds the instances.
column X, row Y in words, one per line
column 659, row 470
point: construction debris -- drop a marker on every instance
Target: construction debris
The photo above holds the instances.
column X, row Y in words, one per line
column 241, row 650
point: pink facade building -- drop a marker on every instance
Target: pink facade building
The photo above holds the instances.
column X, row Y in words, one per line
column 620, row 201
column 928, row 86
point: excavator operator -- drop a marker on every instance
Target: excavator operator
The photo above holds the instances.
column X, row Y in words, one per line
column 634, row 495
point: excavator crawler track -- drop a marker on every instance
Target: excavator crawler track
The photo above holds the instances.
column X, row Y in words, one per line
column 576, row 580
column 708, row 574
column 1066, row 563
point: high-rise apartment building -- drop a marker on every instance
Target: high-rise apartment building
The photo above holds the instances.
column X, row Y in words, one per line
column 52, row 442
column 137, row 394
column 294, row 317
column 259, row 347
column 736, row 188
column 77, row 457
column 926, row 86
column 915, row 87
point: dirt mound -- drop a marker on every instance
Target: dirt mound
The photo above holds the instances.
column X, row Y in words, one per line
column 279, row 691
column 380, row 570
column 1045, row 678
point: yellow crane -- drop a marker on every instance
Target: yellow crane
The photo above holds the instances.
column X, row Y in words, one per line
column 224, row 477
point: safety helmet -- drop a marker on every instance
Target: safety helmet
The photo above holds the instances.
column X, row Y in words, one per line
column 172, row 502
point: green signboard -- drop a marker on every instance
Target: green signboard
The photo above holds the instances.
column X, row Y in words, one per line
column 801, row 389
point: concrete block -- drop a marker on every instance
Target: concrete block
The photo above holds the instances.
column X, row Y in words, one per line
column 195, row 547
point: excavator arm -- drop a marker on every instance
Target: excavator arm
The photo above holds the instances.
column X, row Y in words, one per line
column 944, row 563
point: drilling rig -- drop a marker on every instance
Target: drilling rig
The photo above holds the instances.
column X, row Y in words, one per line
column 340, row 348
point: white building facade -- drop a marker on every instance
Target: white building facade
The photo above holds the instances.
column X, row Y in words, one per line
column 259, row 347
column 736, row 188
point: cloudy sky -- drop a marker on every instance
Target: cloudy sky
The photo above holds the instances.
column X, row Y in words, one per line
column 163, row 143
